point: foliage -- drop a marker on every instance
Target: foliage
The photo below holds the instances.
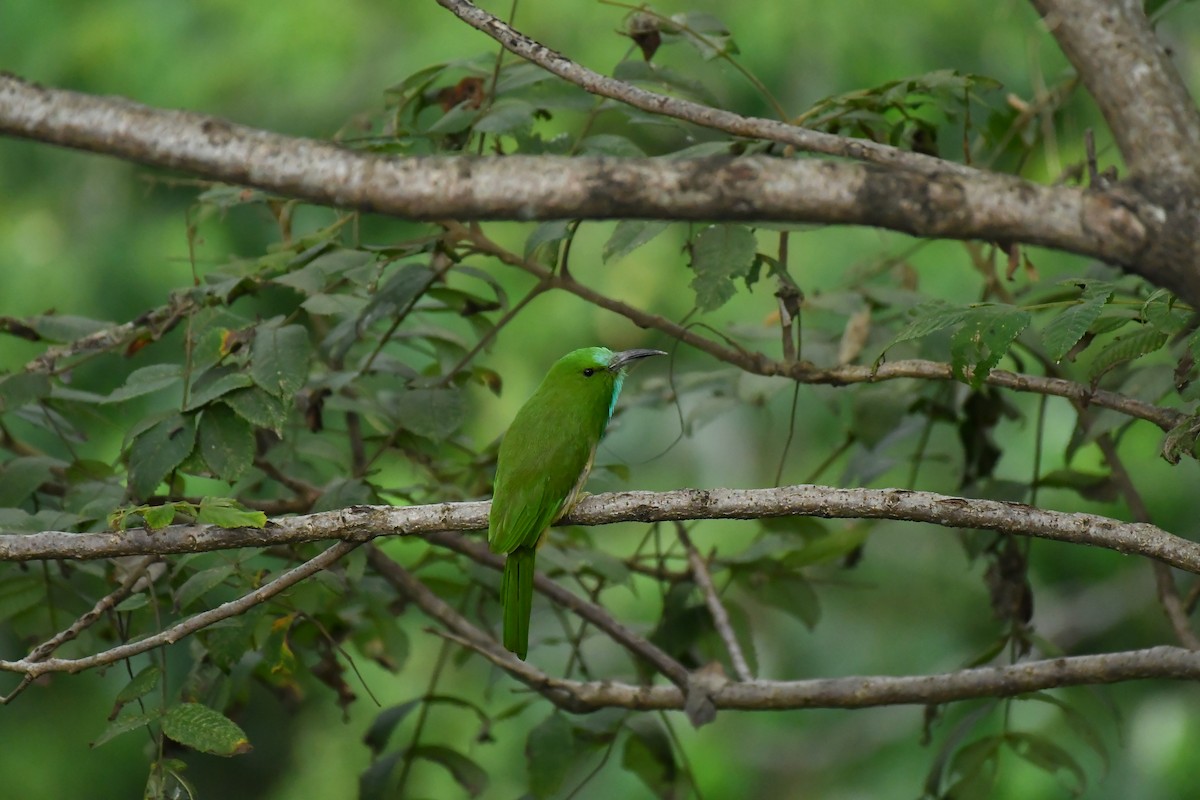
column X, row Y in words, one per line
column 345, row 362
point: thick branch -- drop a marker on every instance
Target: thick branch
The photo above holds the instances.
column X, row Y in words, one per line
column 362, row 523
column 863, row 692
column 991, row 207
column 1153, row 120
column 1133, row 81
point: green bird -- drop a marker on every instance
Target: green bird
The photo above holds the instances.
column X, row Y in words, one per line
column 543, row 464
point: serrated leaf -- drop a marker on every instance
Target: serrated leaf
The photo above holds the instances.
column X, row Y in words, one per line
column 1045, row 754
column 20, row 477
column 226, row 442
column 380, row 732
column 258, row 408
column 1127, row 348
column 19, row 593
column 375, row 780
column 926, row 319
column 216, row 383
column 547, row 235
column 648, row 755
column 21, row 388
column 133, row 603
column 279, row 359
column 200, row 584
column 549, row 752
column 1065, row 330
column 466, row 773
column 201, row 728
column 982, row 341
column 62, row 328
column 435, row 413
column 720, row 253
column 158, row 517
column 629, row 235
column 146, row 380
column 140, row 684
column 507, row 115
column 224, row 512
column 131, row 722
column 1159, row 310
column 157, row 451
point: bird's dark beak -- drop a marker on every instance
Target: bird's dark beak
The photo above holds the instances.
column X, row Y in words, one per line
column 625, row 357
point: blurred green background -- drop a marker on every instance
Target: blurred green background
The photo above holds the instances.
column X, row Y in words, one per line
column 91, row 236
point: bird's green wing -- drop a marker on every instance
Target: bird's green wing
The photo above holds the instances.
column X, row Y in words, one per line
column 535, row 477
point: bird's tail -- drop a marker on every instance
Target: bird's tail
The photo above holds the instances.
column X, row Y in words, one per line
column 516, row 592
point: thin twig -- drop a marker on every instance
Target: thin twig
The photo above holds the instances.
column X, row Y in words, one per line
column 597, row 616
column 187, row 627
column 716, row 608
column 695, row 113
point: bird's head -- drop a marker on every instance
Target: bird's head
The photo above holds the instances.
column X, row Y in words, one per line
column 596, row 371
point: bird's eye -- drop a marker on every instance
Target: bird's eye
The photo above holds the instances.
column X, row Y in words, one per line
column 589, row 372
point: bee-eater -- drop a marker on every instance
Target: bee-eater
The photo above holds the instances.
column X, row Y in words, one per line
column 543, row 464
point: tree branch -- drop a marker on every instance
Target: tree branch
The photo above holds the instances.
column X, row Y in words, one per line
column 1153, row 119
column 705, row 116
column 358, row 524
column 805, row 372
column 864, row 692
column 32, row 667
column 1132, row 79
column 984, row 206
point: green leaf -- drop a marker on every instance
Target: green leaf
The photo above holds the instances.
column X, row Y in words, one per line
column 974, row 769
column 258, row 408
column 706, row 33
column 983, row 339
column 62, row 328
column 157, row 451
column 1127, row 348
column 926, row 319
column 466, row 773
column 629, row 235
column 509, row 115
column 549, row 753
column 146, row 380
column 225, row 512
column 133, row 603
column 543, row 243
column 1159, row 310
column 279, row 359
column 125, row 724
column 200, row 584
column 226, row 442
column 216, row 383
column 1046, row 755
column 435, row 413
column 21, row 388
column 20, row 477
column 158, row 517
column 648, row 755
column 201, row 728
column 720, row 253
column 19, row 593
column 770, row 582
column 141, row 684
column 1065, row 330
column 380, row 732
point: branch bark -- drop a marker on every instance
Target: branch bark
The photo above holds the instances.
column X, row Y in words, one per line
column 981, row 206
column 358, row 524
